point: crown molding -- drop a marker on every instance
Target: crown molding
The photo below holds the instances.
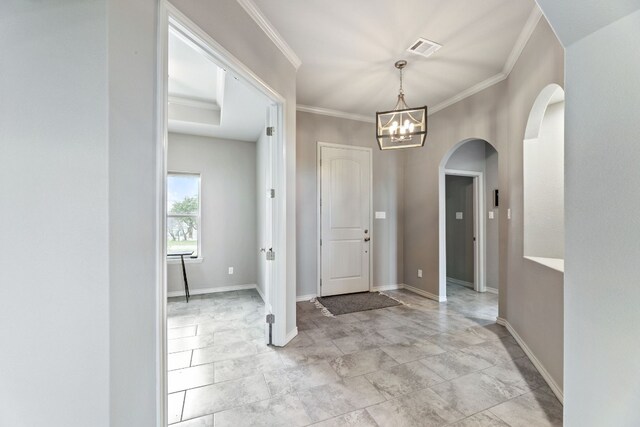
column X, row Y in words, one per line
column 523, row 39
column 468, row 92
column 256, row 14
column 521, row 42
column 335, row 113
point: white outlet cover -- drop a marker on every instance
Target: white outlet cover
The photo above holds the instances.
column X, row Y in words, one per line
column 490, row 214
column 230, row 270
column 419, row 273
column 381, row 215
column 458, row 215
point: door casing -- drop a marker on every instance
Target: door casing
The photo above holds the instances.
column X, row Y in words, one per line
column 479, row 258
column 170, row 15
column 318, row 213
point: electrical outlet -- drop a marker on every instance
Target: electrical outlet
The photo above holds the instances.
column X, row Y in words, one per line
column 419, row 273
column 230, row 270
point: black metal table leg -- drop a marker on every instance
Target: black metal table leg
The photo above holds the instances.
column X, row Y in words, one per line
column 184, row 275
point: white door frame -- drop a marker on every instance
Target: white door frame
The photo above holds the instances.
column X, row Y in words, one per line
column 319, row 219
column 479, row 253
column 170, row 15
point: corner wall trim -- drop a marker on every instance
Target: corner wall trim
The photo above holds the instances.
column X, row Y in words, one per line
column 203, row 291
column 459, row 282
column 439, row 298
column 386, row 287
column 265, row 25
column 334, row 113
column 539, row 366
column 302, row 298
column 291, row 335
column 264, row 299
column 492, row 290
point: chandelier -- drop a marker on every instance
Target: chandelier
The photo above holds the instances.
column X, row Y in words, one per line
column 402, row 127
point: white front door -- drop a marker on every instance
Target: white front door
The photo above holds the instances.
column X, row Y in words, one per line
column 345, row 229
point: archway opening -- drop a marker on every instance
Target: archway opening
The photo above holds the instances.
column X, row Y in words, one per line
column 543, row 180
column 469, row 228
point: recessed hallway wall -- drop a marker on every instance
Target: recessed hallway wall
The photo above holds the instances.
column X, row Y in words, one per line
column 387, row 234
column 531, row 297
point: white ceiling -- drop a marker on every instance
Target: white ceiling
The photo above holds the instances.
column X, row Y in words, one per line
column 204, row 88
column 348, row 47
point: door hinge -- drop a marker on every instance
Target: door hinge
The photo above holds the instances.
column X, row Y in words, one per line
column 321, row 283
column 271, row 318
column 272, row 193
column 271, row 131
column 271, row 255
column 320, row 242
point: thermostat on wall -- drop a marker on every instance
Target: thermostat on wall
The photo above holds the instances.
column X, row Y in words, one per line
column 381, row 215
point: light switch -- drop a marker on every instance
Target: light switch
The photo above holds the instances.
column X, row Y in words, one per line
column 490, row 214
column 508, row 213
column 381, row 215
column 230, row 270
column 458, row 215
column 419, row 273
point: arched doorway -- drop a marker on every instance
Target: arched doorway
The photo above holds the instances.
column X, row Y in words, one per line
column 471, row 226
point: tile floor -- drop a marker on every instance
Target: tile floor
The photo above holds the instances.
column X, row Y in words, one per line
column 420, row 364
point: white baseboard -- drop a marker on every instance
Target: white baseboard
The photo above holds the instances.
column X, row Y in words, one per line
column 459, row 282
column 439, row 298
column 291, row 335
column 301, row 298
column 201, row 291
column 386, row 288
column 264, row 299
column 491, row 290
column 539, row 366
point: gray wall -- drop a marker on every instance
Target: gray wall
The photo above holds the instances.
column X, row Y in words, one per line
column 54, row 186
column 492, row 226
column 601, row 262
column 228, row 227
column 460, row 231
column 78, row 159
column 534, row 298
column 531, row 295
column 387, row 234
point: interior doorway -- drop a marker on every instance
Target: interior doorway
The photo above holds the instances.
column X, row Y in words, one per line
column 461, row 230
column 344, row 219
column 469, row 220
column 221, row 215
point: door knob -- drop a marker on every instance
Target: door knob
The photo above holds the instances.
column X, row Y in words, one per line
column 366, row 239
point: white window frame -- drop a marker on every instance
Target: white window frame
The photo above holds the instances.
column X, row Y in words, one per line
column 198, row 216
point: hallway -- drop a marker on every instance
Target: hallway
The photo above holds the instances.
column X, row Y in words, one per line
column 420, row 364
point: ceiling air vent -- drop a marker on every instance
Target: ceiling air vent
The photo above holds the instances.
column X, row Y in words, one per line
column 424, row 47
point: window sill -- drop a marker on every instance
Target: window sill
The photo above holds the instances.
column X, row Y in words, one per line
column 553, row 263
column 176, row 260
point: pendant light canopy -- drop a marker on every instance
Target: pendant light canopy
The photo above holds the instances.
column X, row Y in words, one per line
column 402, row 127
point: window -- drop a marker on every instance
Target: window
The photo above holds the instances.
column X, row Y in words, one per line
column 183, row 213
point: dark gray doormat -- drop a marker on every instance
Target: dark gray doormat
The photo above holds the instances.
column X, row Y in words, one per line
column 351, row 303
